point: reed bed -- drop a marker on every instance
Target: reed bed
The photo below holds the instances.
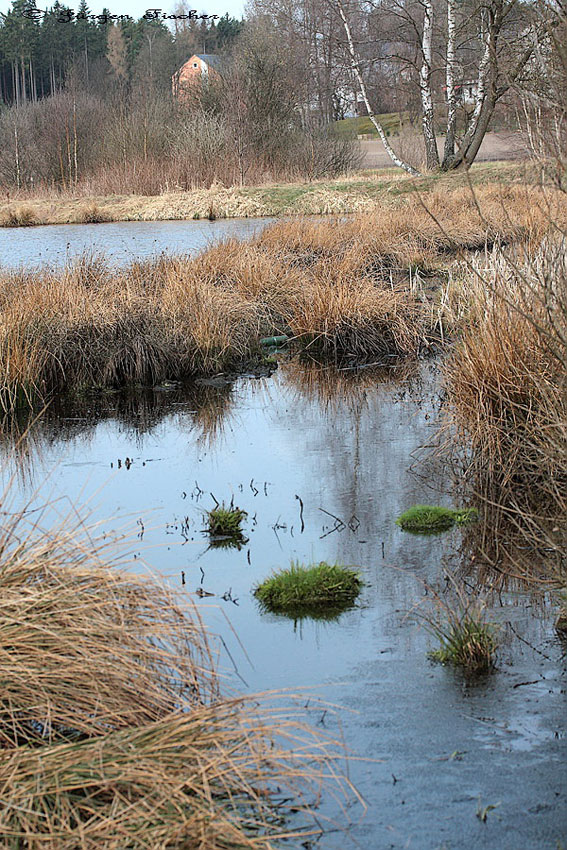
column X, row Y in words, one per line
column 91, row 327
column 507, row 385
column 418, row 231
column 341, row 289
column 113, row 730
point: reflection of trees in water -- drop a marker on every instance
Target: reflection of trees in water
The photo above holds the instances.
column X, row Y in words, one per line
column 372, row 417
column 500, row 552
column 27, row 436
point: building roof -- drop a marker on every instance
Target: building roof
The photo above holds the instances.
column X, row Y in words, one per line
column 211, row 59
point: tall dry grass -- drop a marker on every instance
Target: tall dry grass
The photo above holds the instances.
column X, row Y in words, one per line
column 341, row 289
column 507, row 385
column 89, row 326
column 113, row 732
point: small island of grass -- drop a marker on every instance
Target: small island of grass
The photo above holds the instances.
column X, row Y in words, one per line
column 318, row 590
column 225, row 524
column 433, row 519
column 469, row 644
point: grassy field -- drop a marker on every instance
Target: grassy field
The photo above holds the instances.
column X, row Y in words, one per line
column 390, row 121
column 363, row 192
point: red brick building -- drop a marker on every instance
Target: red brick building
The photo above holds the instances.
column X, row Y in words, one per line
column 201, row 67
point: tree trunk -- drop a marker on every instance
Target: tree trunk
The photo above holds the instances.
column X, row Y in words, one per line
column 16, row 78
column 355, row 67
column 450, row 78
column 482, row 111
column 23, row 83
column 17, row 153
column 468, row 155
column 427, row 114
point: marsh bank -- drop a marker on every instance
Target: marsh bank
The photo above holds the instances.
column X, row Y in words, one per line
column 443, row 750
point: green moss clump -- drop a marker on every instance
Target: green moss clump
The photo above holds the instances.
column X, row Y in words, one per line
column 318, row 591
column 432, row 519
column 226, row 521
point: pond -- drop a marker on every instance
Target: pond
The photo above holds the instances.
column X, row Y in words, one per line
column 323, row 461
column 121, row 242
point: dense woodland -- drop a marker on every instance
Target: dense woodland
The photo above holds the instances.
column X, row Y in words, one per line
column 42, row 53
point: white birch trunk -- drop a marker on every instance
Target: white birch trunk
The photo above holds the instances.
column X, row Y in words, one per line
column 484, row 71
column 427, row 116
column 356, row 68
column 450, row 81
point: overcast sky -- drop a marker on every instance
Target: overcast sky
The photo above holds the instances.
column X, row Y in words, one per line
column 136, row 8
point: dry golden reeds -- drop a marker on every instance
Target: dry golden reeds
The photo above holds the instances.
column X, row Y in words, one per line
column 113, row 732
column 85, row 328
column 341, row 289
column 507, row 385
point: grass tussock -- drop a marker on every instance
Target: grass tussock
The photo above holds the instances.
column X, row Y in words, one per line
column 317, row 590
column 93, row 214
column 225, row 521
column 433, row 519
column 19, row 217
column 113, row 732
column 467, row 640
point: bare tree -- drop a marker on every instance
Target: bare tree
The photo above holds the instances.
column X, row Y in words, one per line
column 438, row 40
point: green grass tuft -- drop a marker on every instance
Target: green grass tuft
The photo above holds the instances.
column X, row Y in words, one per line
column 433, row 519
column 319, row 590
column 469, row 643
column 226, row 521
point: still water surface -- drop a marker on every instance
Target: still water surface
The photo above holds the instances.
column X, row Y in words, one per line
column 121, row 242
column 347, row 446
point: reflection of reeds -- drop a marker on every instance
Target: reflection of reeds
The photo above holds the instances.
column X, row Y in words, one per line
column 335, row 388
column 212, row 408
column 112, row 728
column 25, row 435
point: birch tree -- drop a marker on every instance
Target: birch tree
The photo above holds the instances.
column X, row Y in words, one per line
column 493, row 40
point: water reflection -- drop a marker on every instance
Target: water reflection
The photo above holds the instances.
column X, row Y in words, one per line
column 321, row 463
column 120, row 242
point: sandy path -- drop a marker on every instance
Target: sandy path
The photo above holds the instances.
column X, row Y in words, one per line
column 505, row 145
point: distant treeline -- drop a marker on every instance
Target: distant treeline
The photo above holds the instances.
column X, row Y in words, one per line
column 89, row 109
column 41, row 50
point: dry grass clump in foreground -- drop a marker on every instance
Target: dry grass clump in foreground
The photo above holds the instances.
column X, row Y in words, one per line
column 112, row 730
column 507, row 385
